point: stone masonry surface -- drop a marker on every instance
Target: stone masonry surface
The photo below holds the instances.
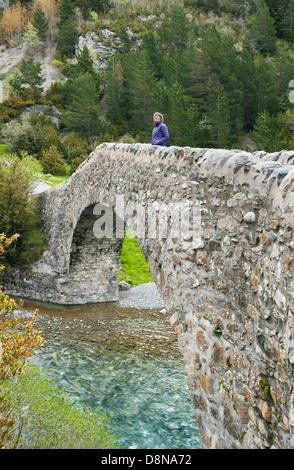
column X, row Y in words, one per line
column 229, row 292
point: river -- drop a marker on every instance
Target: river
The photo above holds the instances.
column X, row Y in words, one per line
column 124, row 361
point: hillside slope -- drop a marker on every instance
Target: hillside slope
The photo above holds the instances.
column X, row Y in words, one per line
column 10, row 60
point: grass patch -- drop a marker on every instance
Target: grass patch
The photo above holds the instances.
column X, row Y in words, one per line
column 133, row 267
column 57, row 179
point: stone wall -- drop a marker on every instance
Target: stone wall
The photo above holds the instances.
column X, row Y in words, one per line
column 228, row 289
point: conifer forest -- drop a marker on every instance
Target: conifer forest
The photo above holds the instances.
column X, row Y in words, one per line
column 218, row 70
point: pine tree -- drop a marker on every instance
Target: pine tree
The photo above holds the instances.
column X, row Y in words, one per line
column 217, row 122
column 288, row 23
column 266, row 132
column 66, row 11
column 99, row 5
column 215, row 55
column 173, row 32
column 32, row 42
column 150, row 43
column 182, row 121
column 39, row 22
column 83, row 112
column 125, row 40
column 83, row 65
column 30, row 77
column 194, row 74
column 262, row 28
column 248, row 83
column 283, row 65
column 178, row 28
column 66, row 40
column 277, row 10
column 114, row 91
column 267, row 86
column 140, row 84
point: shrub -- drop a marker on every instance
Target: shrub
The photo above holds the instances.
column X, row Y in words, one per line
column 15, row 347
column 50, row 421
column 46, row 136
column 18, row 136
column 76, row 162
column 76, row 146
column 11, row 107
column 54, row 94
column 52, row 161
column 18, row 211
column 105, row 137
column 33, row 133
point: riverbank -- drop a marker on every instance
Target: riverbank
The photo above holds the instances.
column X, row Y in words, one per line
column 143, row 296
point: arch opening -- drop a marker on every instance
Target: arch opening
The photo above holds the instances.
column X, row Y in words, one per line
column 94, row 261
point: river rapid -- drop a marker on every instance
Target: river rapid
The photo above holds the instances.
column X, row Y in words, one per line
column 123, row 360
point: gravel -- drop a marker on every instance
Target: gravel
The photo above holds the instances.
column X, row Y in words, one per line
column 143, row 296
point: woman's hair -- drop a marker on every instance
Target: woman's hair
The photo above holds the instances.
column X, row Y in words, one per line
column 160, row 116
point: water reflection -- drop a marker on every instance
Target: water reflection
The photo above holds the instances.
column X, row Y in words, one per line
column 125, row 362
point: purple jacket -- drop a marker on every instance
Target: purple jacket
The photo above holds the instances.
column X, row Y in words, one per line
column 160, row 134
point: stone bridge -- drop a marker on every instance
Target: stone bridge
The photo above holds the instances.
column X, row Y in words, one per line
column 225, row 271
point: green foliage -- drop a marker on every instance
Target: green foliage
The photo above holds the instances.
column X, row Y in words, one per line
column 17, row 340
column 83, row 113
column 150, row 42
column 76, row 146
column 262, row 27
column 3, row 149
column 46, row 135
column 49, row 420
column 55, row 94
column 141, row 80
column 30, row 78
column 174, row 31
column 278, row 11
column 66, row 11
column 66, row 39
column 32, row 134
column 224, row 87
column 52, row 161
column 39, row 22
column 274, row 132
column 84, row 64
column 126, row 42
column 32, row 41
column 76, row 162
column 266, row 389
column 288, row 23
column 211, row 81
column 114, row 91
column 18, row 211
column 266, row 132
column 133, row 267
column 11, row 107
column 216, row 124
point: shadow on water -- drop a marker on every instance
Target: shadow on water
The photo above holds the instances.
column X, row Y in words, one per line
column 124, row 361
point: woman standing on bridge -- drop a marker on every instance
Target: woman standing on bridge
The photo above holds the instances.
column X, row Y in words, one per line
column 160, row 133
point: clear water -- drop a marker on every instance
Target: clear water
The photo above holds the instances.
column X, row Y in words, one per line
column 126, row 363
